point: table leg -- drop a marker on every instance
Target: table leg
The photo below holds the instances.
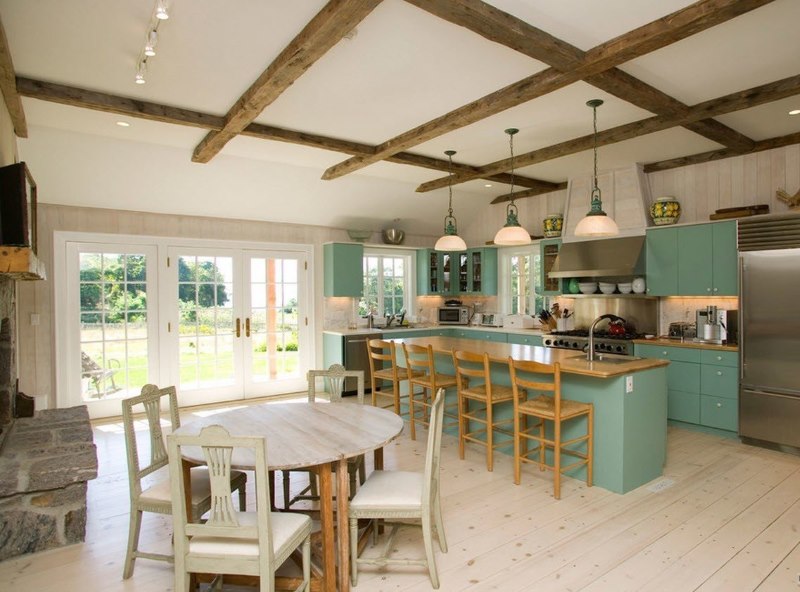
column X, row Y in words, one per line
column 342, row 499
column 378, row 459
column 326, row 521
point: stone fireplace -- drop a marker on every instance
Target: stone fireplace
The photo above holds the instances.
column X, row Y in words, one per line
column 45, row 460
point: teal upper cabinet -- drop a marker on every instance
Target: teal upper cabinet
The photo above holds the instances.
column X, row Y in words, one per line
column 698, row 260
column 344, row 269
column 548, row 249
column 661, row 247
column 464, row 272
column 431, row 272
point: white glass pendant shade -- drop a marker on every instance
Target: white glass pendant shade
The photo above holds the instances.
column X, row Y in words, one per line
column 450, row 242
column 512, row 235
column 596, row 225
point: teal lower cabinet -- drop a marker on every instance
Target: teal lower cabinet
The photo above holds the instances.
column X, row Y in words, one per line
column 524, row 339
column 702, row 384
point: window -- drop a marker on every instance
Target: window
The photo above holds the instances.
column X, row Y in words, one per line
column 520, row 281
column 387, row 283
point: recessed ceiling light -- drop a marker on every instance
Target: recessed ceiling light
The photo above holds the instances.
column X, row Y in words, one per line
column 123, row 124
column 794, row 112
column 488, row 185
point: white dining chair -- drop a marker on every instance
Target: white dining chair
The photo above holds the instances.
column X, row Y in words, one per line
column 387, row 495
column 150, row 491
column 335, row 376
column 231, row 542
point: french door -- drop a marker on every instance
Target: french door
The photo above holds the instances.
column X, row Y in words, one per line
column 219, row 323
column 241, row 326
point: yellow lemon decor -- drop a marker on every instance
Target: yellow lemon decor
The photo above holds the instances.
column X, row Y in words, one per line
column 553, row 224
column 665, row 210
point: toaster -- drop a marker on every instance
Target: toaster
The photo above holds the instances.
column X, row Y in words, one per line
column 682, row 330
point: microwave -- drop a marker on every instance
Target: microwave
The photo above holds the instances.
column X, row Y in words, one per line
column 454, row 315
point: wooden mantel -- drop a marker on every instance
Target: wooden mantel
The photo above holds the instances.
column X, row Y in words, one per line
column 20, row 263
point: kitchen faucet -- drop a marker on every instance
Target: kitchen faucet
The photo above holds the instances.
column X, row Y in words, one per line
column 590, row 350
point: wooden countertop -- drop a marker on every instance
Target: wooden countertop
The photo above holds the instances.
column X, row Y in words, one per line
column 572, row 362
column 666, row 341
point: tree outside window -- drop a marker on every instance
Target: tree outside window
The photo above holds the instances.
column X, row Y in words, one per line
column 385, row 284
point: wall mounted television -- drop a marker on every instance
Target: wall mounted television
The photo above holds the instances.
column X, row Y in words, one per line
column 17, row 206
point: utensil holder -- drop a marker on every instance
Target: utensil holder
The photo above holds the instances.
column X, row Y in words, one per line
column 564, row 324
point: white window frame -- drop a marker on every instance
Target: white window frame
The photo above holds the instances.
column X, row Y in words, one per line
column 504, row 276
column 409, row 283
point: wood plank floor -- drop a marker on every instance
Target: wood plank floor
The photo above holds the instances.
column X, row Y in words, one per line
column 726, row 517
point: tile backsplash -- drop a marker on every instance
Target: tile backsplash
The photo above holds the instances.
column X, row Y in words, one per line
column 676, row 308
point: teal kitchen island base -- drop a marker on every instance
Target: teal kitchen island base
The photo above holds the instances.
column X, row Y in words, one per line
column 629, row 398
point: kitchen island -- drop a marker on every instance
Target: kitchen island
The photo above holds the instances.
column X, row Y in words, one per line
column 629, row 397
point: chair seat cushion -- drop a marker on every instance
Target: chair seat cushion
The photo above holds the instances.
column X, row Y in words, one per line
column 201, row 487
column 389, row 489
column 286, row 528
column 544, row 406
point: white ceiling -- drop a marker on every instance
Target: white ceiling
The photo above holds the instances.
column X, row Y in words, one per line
column 402, row 68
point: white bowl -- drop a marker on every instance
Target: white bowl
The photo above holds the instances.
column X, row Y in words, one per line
column 625, row 288
column 608, row 288
column 588, row 287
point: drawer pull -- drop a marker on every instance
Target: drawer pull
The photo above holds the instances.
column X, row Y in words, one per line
column 664, row 353
column 719, row 358
column 719, row 404
column 719, row 372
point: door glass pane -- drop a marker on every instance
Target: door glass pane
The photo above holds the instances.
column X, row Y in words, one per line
column 273, row 318
column 113, row 324
column 206, row 325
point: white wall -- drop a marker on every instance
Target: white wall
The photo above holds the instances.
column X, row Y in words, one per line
column 701, row 189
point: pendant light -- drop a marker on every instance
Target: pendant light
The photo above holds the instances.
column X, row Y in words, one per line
column 596, row 223
column 512, row 233
column 450, row 241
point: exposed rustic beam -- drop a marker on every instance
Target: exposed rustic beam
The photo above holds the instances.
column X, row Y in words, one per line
column 98, row 101
column 467, row 13
column 336, row 19
column 9, row 88
column 752, row 97
column 760, row 146
column 527, row 193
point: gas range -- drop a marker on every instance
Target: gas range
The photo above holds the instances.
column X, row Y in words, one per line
column 603, row 341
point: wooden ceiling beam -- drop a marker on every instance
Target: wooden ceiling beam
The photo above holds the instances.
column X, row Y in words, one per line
column 527, row 193
column 9, row 88
column 737, row 101
column 98, row 101
column 485, row 20
column 336, row 19
column 759, row 146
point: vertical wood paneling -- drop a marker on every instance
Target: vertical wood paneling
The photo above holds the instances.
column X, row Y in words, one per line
column 764, row 178
column 749, row 180
column 777, row 173
column 700, row 196
column 792, row 169
column 737, row 182
column 725, row 183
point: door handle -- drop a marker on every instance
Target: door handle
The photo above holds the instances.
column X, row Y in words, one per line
column 238, row 327
column 247, row 327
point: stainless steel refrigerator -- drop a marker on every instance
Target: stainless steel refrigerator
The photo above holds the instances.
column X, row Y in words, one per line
column 769, row 346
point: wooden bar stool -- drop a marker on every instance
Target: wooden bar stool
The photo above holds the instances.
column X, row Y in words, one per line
column 473, row 378
column 383, row 368
column 531, row 377
column 422, row 373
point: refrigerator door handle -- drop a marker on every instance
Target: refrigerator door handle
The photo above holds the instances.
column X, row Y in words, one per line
column 743, row 308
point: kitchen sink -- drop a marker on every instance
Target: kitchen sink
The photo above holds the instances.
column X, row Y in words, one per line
column 609, row 358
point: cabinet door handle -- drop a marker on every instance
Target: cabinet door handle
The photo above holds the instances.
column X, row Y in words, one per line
column 238, row 327
column 708, row 289
column 247, row 327
column 716, row 289
column 719, row 404
column 719, row 358
column 664, row 353
column 719, row 372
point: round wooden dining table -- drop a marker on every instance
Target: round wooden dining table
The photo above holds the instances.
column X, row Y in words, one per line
column 303, row 435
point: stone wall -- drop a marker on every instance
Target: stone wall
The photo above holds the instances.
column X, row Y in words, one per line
column 45, row 464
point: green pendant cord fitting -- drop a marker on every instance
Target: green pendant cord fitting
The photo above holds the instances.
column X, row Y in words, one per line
column 511, row 209
column 596, row 201
column 450, row 223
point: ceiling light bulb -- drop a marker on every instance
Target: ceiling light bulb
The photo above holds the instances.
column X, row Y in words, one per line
column 140, row 70
column 123, row 124
column 150, row 44
column 488, row 185
column 161, row 10
column 794, row 112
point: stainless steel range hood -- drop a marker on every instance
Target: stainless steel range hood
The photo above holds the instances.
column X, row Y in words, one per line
column 600, row 258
